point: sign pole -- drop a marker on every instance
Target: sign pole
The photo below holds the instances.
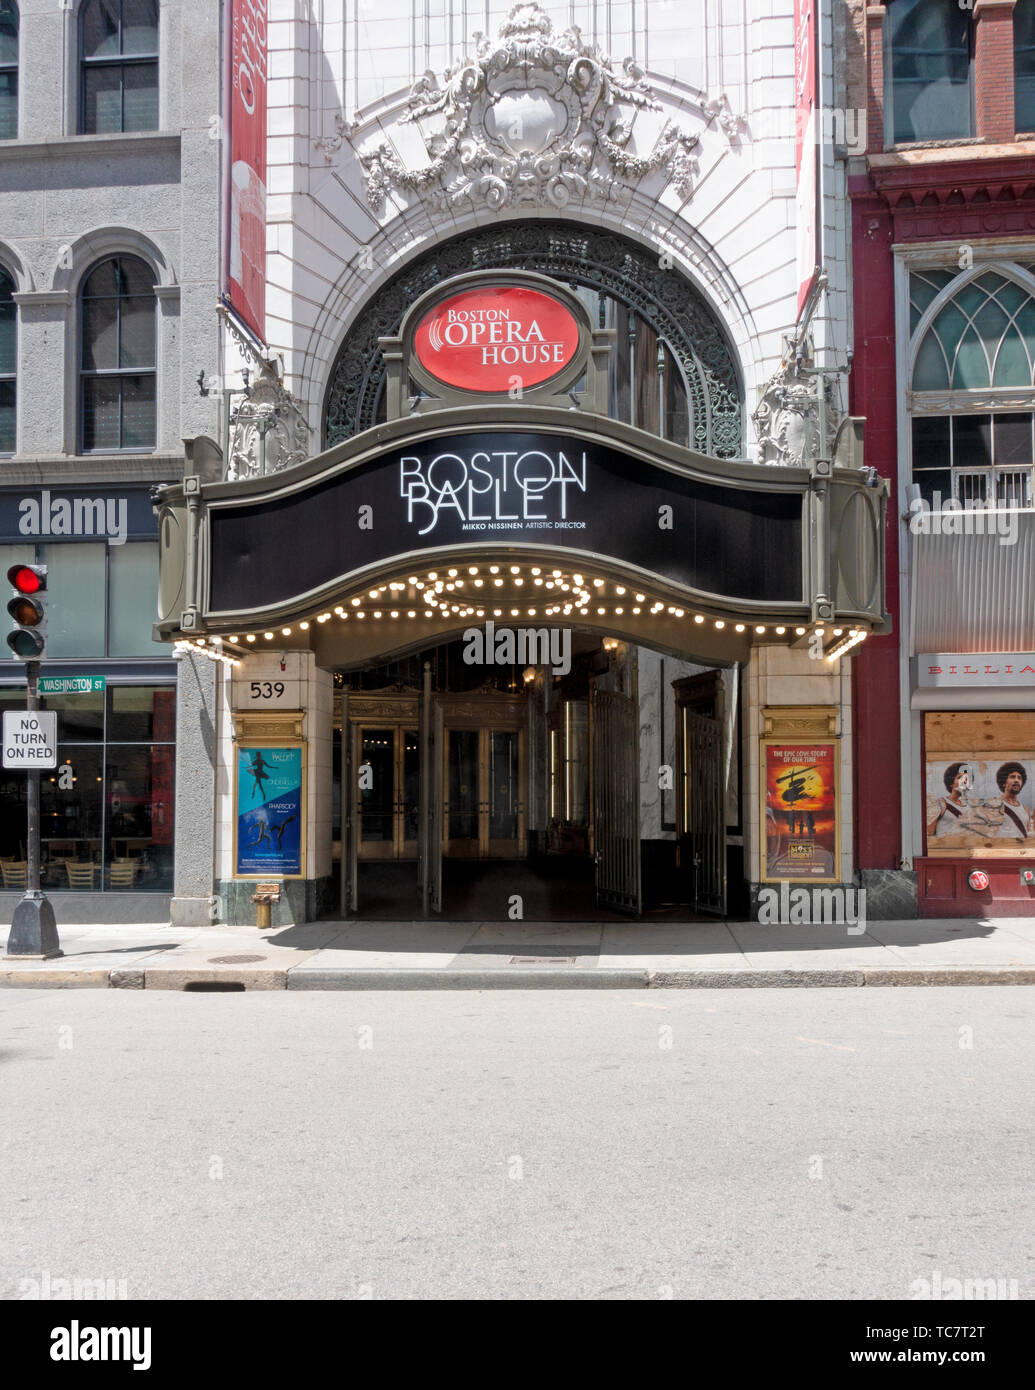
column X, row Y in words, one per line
column 33, row 928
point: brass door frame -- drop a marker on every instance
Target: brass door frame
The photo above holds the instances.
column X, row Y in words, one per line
column 485, row 714
column 399, row 848
column 399, row 713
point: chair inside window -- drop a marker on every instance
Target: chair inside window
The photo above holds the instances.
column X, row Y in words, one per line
column 80, row 875
column 15, row 873
column 122, row 873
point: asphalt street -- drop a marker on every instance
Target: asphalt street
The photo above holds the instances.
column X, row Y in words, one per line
column 816, row 1144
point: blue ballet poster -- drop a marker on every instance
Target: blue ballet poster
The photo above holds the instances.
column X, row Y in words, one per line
column 269, row 811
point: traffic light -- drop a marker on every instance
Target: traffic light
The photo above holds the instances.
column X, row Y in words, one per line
column 28, row 610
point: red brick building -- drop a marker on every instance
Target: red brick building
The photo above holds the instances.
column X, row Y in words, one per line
column 943, row 229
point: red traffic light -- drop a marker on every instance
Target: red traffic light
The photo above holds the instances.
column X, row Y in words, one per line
column 27, row 579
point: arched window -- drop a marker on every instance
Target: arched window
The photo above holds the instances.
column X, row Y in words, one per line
column 8, row 70
column 117, row 358
column 1024, row 66
column 8, row 363
column 928, row 67
column 972, row 394
column 118, row 52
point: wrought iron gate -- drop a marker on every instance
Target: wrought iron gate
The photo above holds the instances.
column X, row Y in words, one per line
column 616, row 800
column 704, row 812
column 349, row 829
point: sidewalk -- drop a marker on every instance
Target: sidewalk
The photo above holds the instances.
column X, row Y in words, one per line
column 530, row 955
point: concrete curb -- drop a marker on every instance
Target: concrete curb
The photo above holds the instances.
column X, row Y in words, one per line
column 758, row 979
column 201, row 979
column 467, row 979
column 40, row 977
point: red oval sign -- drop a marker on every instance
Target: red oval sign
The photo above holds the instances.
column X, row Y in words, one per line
column 480, row 340
column 978, row 880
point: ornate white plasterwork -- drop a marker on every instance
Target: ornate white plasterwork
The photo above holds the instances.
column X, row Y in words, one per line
column 268, row 431
column 534, row 118
column 786, row 419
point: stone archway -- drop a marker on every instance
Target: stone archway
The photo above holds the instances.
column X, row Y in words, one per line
column 575, row 254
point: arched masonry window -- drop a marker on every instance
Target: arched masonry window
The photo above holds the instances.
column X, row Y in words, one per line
column 8, row 70
column 8, row 363
column 118, row 60
column 928, row 70
column 117, row 362
column 673, row 373
column 1024, row 66
column 972, row 385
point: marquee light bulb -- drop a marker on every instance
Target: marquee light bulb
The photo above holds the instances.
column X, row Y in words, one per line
column 740, row 627
column 494, row 569
column 268, row 636
column 251, row 636
column 760, row 629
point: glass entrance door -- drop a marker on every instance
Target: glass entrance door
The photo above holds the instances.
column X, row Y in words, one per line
column 484, row 812
column 388, row 778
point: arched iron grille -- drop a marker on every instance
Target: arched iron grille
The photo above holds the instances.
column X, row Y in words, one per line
column 576, row 255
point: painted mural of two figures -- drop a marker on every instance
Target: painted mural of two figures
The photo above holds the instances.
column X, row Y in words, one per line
column 269, row 811
column 980, row 802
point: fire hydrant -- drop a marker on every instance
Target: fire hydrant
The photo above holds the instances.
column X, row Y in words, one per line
column 263, row 912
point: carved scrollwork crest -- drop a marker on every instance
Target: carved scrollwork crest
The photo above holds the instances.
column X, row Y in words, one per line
column 533, row 118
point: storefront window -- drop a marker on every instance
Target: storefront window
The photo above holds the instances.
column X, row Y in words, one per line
column 133, row 600
column 101, row 599
column 106, row 810
column 75, row 600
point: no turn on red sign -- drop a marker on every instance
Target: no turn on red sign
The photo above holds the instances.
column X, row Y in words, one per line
column 30, row 738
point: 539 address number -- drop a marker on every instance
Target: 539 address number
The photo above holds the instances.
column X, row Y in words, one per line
column 266, row 690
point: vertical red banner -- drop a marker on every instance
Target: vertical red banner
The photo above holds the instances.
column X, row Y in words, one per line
column 805, row 142
column 246, row 196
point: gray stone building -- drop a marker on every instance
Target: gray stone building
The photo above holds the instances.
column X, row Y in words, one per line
column 110, row 177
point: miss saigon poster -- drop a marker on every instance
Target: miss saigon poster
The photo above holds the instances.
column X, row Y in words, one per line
column 801, row 830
